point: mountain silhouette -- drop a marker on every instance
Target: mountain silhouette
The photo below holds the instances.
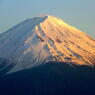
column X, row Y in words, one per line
column 51, row 78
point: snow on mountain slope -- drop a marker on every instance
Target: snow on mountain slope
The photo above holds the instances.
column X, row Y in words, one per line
column 43, row 39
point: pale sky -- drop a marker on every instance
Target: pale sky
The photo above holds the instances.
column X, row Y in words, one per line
column 79, row 13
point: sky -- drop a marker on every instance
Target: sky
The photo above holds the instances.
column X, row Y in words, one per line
column 78, row 13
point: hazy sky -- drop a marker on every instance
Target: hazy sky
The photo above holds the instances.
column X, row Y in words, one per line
column 79, row 13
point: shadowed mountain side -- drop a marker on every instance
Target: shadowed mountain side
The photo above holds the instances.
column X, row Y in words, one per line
column 5, row 66
column 50, row 79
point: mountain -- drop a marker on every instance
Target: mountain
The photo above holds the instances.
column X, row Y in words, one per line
column 43, row 39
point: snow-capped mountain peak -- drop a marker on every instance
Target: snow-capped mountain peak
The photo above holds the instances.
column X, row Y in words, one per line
column 46, row 38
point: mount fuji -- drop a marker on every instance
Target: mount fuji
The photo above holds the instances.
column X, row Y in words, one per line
column 43, row 39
